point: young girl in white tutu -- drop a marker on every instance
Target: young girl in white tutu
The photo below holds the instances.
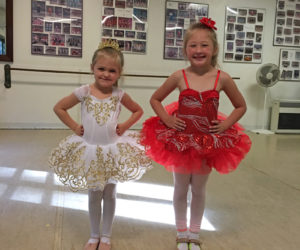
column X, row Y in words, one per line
column 101, row 152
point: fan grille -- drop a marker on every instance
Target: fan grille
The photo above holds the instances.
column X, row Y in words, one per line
column 267, row 75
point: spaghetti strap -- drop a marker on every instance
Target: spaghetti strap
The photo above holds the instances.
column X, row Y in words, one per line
column 217, row 79
column 185, row 79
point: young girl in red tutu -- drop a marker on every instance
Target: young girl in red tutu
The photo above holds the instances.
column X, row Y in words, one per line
column 188, row 137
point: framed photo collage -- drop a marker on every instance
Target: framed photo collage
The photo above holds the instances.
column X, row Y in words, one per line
column 178, row 17
column 243, row 39
column 56, row 27
column 287, row 23
column 289, row 64
column 126, row 22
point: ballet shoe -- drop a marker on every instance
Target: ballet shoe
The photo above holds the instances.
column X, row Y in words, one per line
column 104, row 246
column 91, row 246
column 182, row 243
column 196, row 243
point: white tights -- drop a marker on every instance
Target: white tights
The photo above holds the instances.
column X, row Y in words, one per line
column 181, row 186
column 108, row 195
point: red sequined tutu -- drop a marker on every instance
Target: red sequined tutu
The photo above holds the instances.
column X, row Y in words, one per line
column 186, row 151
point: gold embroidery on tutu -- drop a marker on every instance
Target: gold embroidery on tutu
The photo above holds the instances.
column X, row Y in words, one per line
column 96, row 173
column 130, row 159
column 136, row 136
column 101, row 111
column 130, row 163
column 68, row 165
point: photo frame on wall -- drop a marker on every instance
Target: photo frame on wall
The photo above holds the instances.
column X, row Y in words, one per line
column 243, row 39
column 178, row 17
column 126, row 21
column 287, row 23
column 289, row 65
column 56, row 28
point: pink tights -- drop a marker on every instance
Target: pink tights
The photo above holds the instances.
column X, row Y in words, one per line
column 181, row 186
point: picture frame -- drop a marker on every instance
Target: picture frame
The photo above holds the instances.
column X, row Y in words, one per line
column 179, row 16
column 6, row 34
column 287, row 23
column 126, row 21
column 56, row 27
column 243, row 38
column 289, row 64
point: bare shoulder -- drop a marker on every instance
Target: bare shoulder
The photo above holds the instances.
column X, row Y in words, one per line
column 224, row 76
column 225, row 80
column 177, row 75
column 171, row 83
column 173, row 80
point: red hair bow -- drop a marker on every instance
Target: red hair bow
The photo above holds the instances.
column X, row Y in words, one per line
column 208, row 22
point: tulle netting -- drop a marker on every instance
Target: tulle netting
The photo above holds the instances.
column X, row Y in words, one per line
column 191, row 160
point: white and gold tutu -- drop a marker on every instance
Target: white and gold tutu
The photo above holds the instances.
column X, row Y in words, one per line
column 100, row 156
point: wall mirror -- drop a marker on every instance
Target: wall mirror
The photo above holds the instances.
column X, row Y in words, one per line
column 6, row 30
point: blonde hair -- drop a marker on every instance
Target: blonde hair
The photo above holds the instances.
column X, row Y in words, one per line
column 212, row 35
column 110, row 52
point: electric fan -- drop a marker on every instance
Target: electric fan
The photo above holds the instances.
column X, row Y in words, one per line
column 266, row 76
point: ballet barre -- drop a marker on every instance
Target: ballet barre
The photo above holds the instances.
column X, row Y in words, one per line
column 8, row 69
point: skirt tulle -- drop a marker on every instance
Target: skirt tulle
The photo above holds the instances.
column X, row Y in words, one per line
column 85, row 166
column 223, row 151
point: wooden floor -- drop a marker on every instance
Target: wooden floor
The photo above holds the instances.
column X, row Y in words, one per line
column 257, row 207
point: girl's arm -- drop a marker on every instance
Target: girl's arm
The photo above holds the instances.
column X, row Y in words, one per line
column 237, row 100
column 136, row 110
column 159, row 95
column 60, row 110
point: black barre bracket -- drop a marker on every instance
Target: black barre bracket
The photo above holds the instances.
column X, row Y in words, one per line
column 7, row 78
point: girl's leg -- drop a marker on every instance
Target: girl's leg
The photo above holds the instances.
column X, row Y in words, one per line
column 95, row 198
column 109, row 207
column 198, row 188
column 181, row 186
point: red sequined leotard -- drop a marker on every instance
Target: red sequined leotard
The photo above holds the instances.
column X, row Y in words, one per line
column 186, row 151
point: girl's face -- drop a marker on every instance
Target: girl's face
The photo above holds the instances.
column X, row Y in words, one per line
column 200, row 48
column 106, row 71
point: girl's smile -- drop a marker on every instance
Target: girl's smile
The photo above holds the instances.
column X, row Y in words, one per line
column 199, row 56
column 200, row 48
column 106, row 72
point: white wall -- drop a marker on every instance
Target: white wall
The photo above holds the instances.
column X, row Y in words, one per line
column 28, row 104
